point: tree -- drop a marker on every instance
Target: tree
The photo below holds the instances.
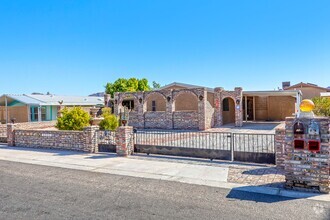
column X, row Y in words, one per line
column 155, row 85
column 127, row 85
column 322, row 106
column 110, row 121
column 73, row 119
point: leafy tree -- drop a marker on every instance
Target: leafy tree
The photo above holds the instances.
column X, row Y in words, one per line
column 155, row 85
column 110, row 121
column 73, row 119
column 322, row 106
column 127, row 85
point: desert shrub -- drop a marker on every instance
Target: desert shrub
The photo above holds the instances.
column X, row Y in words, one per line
column 322, row 106
column 110, row 121
column 73, row 119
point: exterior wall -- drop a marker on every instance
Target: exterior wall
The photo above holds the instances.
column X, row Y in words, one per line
column 67, row 140
column 311, row 92
column 261, row 108
column 20, row 113
column 156, row 120
column 186, row 102
column 229, row 116
column 184, row 108
column 185, row 120
column 280, row 107
column 160, row 102
column 280, row 154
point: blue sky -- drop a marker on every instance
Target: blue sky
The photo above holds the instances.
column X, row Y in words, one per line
column 75, row 47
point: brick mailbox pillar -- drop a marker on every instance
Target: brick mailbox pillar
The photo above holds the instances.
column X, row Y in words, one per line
column 307, row 154
column 11, row 134
column 124, row 141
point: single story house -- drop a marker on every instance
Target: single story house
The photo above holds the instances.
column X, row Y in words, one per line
column 308, row 90
column 28, row 108
column 185, row 106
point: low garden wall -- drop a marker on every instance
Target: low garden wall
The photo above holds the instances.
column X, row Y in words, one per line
column 185, row 120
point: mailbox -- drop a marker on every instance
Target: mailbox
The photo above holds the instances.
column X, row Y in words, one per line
column 298, row 128
column 314, row 146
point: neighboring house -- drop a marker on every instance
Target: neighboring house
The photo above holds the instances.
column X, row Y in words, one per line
column 182, row 106
column 308, row 90
column 26, row 108
column 325, row 94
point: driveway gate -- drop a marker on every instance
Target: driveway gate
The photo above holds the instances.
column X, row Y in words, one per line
column 257, row 148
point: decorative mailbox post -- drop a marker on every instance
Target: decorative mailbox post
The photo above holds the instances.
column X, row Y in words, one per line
column 307, row 162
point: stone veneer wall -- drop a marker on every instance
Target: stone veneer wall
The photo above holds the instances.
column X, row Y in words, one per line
column 156, row 120
column 3, row 130
column 306, row 170
column 67, row 140
column 185, row 120
column 208, row 114
column 280, row 148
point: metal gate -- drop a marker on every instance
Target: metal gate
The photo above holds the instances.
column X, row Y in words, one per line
column 257, row 148
column 106, row 141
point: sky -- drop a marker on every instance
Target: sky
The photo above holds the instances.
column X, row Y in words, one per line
column 71, row 47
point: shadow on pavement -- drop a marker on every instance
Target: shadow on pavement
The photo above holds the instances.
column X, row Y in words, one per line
column 266, row 194
column 263, row 171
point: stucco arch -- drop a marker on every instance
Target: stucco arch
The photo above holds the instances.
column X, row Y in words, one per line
column 157, row 97
column 185, row 100
column 228, row 110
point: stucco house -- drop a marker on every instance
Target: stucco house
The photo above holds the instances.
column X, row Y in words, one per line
column 308, row 90
column 185, row 106
column 28, row 108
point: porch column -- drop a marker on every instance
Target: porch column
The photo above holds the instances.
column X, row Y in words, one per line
column 218, row 106
column 169, row 109
column 202, row 99
column 39, row 113
column 238, row 107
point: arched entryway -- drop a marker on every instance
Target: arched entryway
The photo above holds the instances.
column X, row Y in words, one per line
column 228, row 111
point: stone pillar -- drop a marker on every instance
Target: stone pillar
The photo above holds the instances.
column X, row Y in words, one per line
column 11, row 134
column 59, row 109
column 107, row 100
column 169, row 110
column 280, row 148
column 238, row 107
column 202, row 99
column 218, row 106
column 91, row 139
column 141, row 109
column 124, row 141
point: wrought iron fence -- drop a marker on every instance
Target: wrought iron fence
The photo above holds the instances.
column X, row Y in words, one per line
column 240, row 142
column 106, row 137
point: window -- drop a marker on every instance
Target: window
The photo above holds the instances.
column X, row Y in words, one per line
column 34, row 116
column 225, row 105
column 153, row 106
column 128, row 103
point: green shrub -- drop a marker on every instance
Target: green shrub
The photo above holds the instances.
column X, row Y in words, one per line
column 110, row 122
column 322, row 106
column 73, row 119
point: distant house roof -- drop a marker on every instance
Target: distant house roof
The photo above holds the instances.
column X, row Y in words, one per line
column 301, row 85
column 188, row 86
column 55, row 100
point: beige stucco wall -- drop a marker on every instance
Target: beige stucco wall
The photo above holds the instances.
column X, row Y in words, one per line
column 160, row 102
column 261, row 105
column 20, row 113
column 311, row 92
column 280, row 107
column 186, row 102
column 229, row 116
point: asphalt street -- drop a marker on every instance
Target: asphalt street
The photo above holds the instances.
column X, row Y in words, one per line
column 41, row 192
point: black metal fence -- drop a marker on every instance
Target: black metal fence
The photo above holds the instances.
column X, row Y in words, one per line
column 259, row 148
column 106, row 141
